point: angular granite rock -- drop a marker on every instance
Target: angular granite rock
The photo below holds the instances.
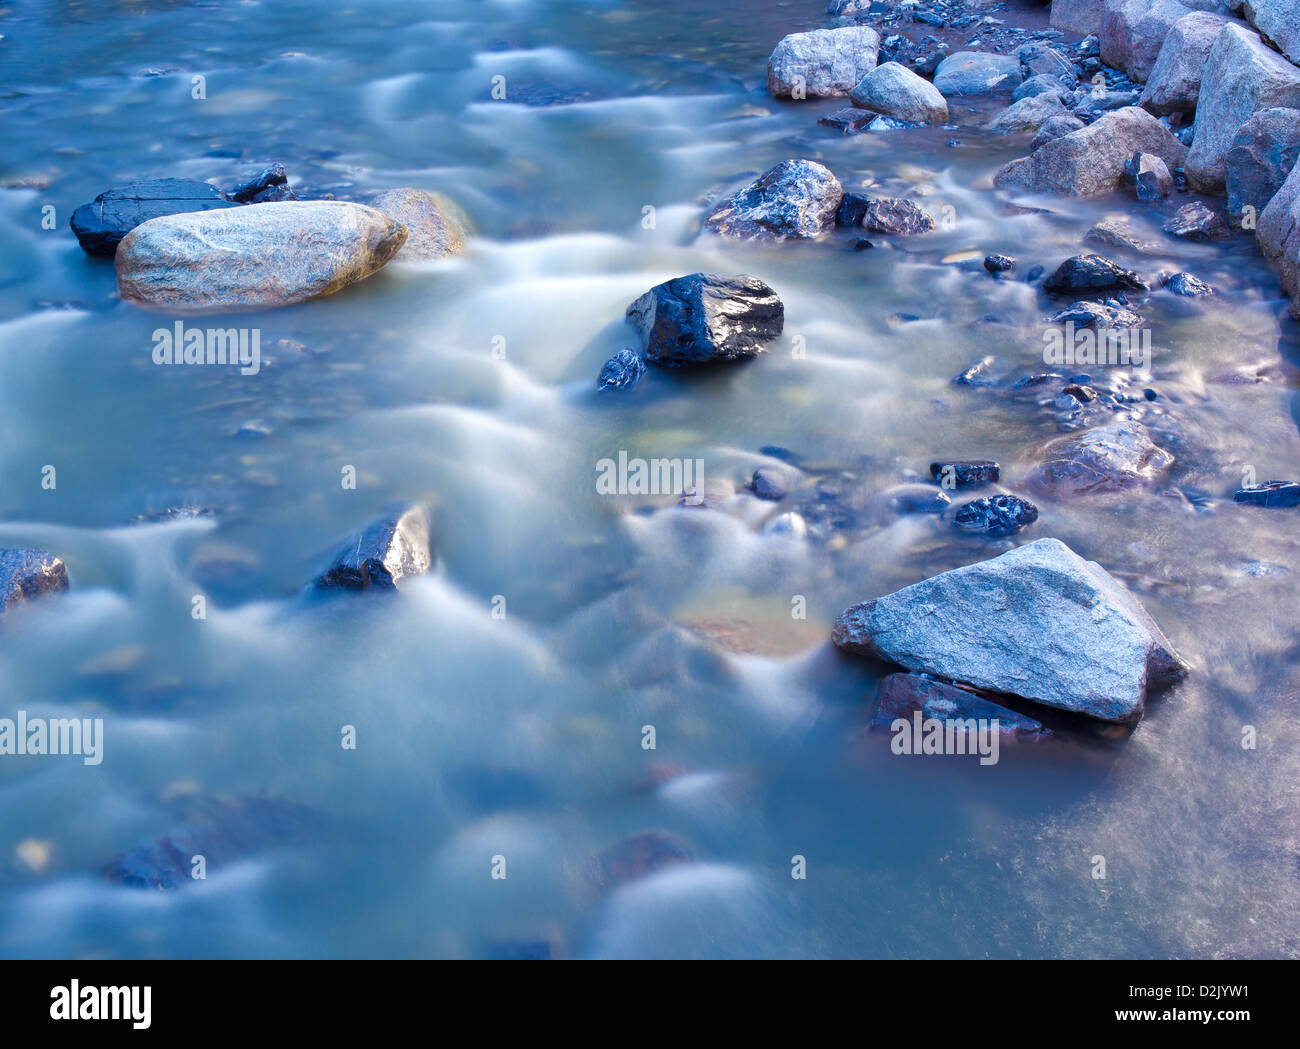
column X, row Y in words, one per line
column 1055, row 127
column 1196, row 221
column 703, row 318
column 977, row 73
column 435, row 226
column 828, row 61
column 27, row 573
column 902, row 695
column 1150, row 175
column 101, row 225
column 1262, row 156
column 1088, row 274
column 1175, row 80
column 386, row 555
column 895, row 215
column 1078, row 16
column 1111, row 458
column 894, row 90
column 1038, row 622
column 1279, row 21
column 264, row 255
column 1132, row 32
column 797, row 198
column 1278, row 237
column 1027, row 116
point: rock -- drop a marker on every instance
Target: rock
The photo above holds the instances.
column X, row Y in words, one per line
column 1110, row 458
column 797, row 198
column 1279, row 21
column 268, row 185
column 1043, row 84
column 27, row 573
column 1078, row 16
column 1263, row 153
column 1175, row 79
column 1278, row 236
column 978, row 374
column 1195, row 221
column 894, row 90
column 895, row 215
column 999, row 263
column 790, row 524
column 1091, row 104
column 101, row 225
column 1091, row 160
column 852, row 210
column 1088, row 274
column 621, row 371
column 387, row 555
column 965, row 473
column 1054, row 128
column 1133, row 30
column 1085, row 314
column 1270, row 493
column 767, row 484
column 268, row 255
column 1241, row 77
column 435, row 226
column 999, row 515
column 1187, row 285
column 883, row 123
column 1115, row 232
column 918, row 499
column 847, row 119
column 822, row 63
column 1039, row 59
column 640, row 855
column 1151, row 178
column 977, row 73
column 1026, row 116
column 901, row 695
column 1038, row 622
column 703, row 319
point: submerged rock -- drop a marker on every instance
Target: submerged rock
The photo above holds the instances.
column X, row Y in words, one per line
column 101, row 225
column 1175, row 79
column 918, row 499
column 1088, row 273
column 823, row 62
column 1195, row 221
column 895, row 91
column 703, row 318
column 1270, row 493
column 435, row 226
column 640, row 855
column 767, row 484
column 895, row 215
column 1263, row 153
column 965, row 473
column 27, row 573
column 622, row 370
column 1098, row 315
column 1038, row 622
column 977, row 73
column 1110, row 458
column 797, row 198
column 902, row 695
column 1187, row 285
column 386, row 555
column 998, row 515
column 267, row 255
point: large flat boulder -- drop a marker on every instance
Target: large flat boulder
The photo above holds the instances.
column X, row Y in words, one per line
column 795, row 199
column 261, row 255
column 822, row 63
column 1279, row 20
column 703, row 318
column 1242, row 76
column 1278, row 236
column 1039, row 622
column 1262, row 156
column 101, row 224
column 1175, row 80
column 1091, row 160
column 1132, row 32
column 894, row 90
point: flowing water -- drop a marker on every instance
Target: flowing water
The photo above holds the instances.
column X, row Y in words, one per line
column 468, row 384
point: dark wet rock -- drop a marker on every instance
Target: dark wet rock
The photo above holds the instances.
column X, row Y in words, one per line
column 1027, row 116
column 1175, row 79
column 768, row 484
column 1263, row 154
column 703, row 318
column 999, row 263
column 1088, row 274
column 1091, row 160
column 894, row 90
column 1278, row 237
column 852, row 210
column 1270, row 493
column 1187, row 285
column 1132, row 32
column 1030, row 382
column 640, row 855
column 998, row 515
column 435, row 225
column 222, row 832
column 895, row 215
column 847, row 119
column 902, row 695
column 271, row 183
column 977, row 73
column 918, row 499
column 1082, row 393
column 797, row 198
column 387, row 555
column 862, row 245
column 1151, row 178
column 1087, row 314
column 263, row 255
column 27, row 573
column 1037, row 622
column 1195, row 221
column 101, row 225
column 978, row 374
column 822, row 63
column 621, row 370
column 1110, row 458
column 965, row 473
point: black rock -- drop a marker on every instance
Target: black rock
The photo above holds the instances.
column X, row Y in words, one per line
column 848, row 119
column 26, row 573
column 101, row 224
column 1082, row 394
column 862, row 244
column 767, row 484
column 965, row 473
column 387, row 554
column 1089, row 273
column 1037, row 379
column 1033, row 274
column 1270, row 493
column 999, row 263
column 621, row 370
column 1187, row 285
column 1000, row 515
column 852, row 209
column 895, row 215
column 271, row 183
column 703, row 318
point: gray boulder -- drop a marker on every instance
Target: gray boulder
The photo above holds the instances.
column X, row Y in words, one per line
column 703, row 318
column 435, row 226
column 1132, row 32
column 262, row 255
column 895, row 91
column 1027, row 116
column 1038, row 622
column 1279, row 236
column 1175, row 80
column 27, row 573
column 386, row 555
column 895, row 215
column 1054, row 128
column 1279, row 21
column 822, row 63
column 1091, row 160
column 977, row 73
column 1262, row 156
column 1043, row 84
column 1111, row 458
column 1078, row 16
column 1241, row 77
column 1038, row 58
column 797, row 198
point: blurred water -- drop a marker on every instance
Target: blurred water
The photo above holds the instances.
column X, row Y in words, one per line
column 522, row 737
